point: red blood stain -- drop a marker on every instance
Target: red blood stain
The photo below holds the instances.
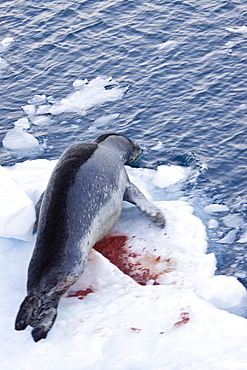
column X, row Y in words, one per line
column 80, row 293
column 142, row 268
column 184, row 318
column 135, row 330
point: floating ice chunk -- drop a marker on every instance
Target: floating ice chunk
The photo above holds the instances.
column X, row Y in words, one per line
column 5, row 43
column 243, row 238
column 230, row 44
column 229, row 237
column 242, row 30
column 158, row 146
column 213, row 224
column 243, row 106
column 79, row 84
column 19, row 140
column 98, row 91
column 214, row 208
column 29, row 110
column 43, row 109
column 22, row 123
column 41, row 120
column 3, row 64
column 225, row 292
column 106, row 119
column 17, row 213
column 169, row 175
column 38, row 100
column 232, row 220
column 168, row 45
column 102, row 121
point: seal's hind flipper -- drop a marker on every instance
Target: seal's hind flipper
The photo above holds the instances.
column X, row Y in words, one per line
column 25, row 312
column 40, row 313
column 45, row 323
column 134, row 195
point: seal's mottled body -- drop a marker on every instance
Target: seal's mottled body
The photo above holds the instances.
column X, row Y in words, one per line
column 80, row 205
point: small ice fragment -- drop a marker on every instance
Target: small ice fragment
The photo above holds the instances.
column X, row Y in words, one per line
column 230, row 44
column 168, row 45
column 41, row 120
column 79, row 84
column 232, row 220
column 158, row 146
column 229, row 237
column 243, row 238
column 5, row 43
column 29, row 110
column 43, row 109
column 169, row 175
column 22, row 123
column 240, row 274
column 213, row 224
column 242, row 30
column 212, row 208
column 38, row 100
column 106, row 119
column 3, row 63
column 19, row 140
column 243, row 106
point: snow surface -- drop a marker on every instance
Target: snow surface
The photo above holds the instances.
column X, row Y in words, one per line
column 179, row 320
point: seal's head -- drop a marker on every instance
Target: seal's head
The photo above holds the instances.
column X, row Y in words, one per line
column 127, row 149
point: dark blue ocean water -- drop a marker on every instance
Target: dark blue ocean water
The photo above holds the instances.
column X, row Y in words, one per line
column 186, row 77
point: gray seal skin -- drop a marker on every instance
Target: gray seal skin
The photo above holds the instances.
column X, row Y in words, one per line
column 80, row 205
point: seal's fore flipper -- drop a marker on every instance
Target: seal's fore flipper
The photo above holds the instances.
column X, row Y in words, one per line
column 37, row 212
column 134, row 195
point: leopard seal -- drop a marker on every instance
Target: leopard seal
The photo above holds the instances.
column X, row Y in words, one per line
column 80, row 205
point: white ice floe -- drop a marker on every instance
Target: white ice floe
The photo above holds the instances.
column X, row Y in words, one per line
column 3, row 64
column 230, row 44
column 107, row 320
column 242, row 30
column 5, row 43
column 214, row 208
column 243, row 238
column 38, row 99
column 98, row 91
column 103, row 121
column 19, row 140
column 232, row 220
column 213, row 224
column 22, row 123
column 158, row 146
column 41, row 120
column 29, row 109
column 170, row 175
column 229, row 237
column 168, row 45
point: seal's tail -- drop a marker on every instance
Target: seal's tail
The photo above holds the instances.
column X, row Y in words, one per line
column 40, row 313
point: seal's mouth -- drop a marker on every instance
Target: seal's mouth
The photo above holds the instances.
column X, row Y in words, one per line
column 138, row 151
